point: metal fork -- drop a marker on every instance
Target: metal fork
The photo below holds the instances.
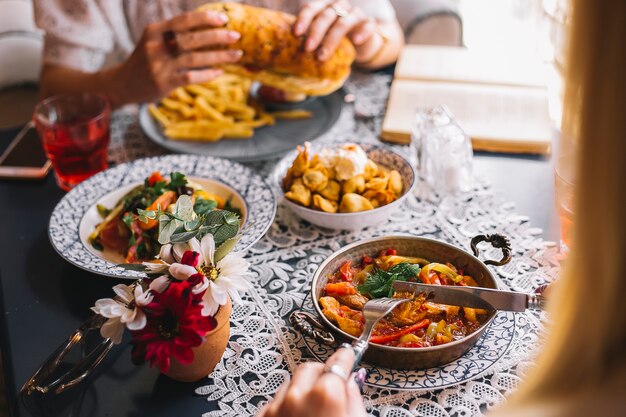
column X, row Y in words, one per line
column 373, row 311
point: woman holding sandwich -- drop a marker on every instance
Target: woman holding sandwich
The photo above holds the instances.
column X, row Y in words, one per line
column 138, row 50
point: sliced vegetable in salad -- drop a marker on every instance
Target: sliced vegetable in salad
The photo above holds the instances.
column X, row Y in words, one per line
column 160, row 211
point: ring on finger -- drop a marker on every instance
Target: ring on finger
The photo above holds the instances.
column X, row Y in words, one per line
column 339, row 11
column 170, row 42
column 336, row 370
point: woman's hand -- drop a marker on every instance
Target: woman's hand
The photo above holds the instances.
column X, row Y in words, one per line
column 173, row 53
column 325, row 23
column 313, row 392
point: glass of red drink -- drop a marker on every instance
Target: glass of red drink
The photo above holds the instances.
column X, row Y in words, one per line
column 74, row 130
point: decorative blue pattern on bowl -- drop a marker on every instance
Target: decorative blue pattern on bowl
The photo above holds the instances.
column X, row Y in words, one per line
column 63, row 229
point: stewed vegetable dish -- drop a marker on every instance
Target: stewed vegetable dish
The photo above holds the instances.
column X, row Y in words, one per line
column 416, row 323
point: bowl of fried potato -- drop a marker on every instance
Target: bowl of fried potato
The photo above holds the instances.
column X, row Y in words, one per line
column 344, row 186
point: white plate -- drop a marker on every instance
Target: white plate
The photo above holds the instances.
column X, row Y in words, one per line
column 75, row 217
column 268, row 142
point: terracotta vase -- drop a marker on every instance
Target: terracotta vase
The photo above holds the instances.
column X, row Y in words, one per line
column 208, row 354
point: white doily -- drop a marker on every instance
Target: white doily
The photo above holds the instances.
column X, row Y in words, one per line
column 264, row 350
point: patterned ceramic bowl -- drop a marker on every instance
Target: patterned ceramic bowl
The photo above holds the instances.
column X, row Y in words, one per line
column 434, row 251
column 350, row 221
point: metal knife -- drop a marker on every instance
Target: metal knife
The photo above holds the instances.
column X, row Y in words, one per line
column 474, row 297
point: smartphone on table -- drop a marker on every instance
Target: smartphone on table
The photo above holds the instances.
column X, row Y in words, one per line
column 25, row 157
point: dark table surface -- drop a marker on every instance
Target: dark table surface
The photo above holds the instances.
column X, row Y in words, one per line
column 43, row 298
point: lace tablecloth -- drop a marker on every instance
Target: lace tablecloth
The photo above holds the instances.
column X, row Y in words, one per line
column 264, row 349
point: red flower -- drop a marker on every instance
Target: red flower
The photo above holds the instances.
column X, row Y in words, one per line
column 175, row 325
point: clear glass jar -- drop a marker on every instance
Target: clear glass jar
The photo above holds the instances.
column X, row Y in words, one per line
column 444, row 151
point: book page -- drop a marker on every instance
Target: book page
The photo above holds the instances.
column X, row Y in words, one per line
column 451, row 64
column 511, row 119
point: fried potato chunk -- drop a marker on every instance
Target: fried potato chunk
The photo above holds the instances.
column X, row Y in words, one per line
column 371, row 170
column 348, row 320
column 331, row 191
column 323, row 204
column 395, row 182
column 351, row 203
column 378, row 183
column 355, row 184
column 299, row 194
column 314, row 180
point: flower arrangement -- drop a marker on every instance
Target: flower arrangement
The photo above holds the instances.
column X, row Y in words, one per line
column 171, row 310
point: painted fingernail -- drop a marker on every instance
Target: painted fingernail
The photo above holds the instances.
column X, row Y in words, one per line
column 233, row 36
column 360, row 375
column 222, row 18
column 358, row 39
column 309, row 45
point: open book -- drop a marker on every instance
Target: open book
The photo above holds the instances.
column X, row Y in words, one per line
column 502, row 103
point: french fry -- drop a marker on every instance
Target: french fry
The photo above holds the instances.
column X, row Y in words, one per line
column 202, row 104
column 292, row 114
column 182, row 95
column 158, row 115
column 182, row 108
column 238, row 132
column 215, row 110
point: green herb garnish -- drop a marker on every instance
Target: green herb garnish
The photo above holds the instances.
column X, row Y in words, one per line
column 379, row 283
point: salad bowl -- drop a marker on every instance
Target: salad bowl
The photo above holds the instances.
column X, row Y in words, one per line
column 76, row 216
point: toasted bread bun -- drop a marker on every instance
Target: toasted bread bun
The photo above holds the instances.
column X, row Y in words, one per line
column 273, row 56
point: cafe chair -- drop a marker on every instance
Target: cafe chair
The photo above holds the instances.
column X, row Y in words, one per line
column 21, row 44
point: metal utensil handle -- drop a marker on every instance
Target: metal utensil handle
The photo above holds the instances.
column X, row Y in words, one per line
column 537, row 301
column 84, row 368
column 497, row 241
column 309, row 326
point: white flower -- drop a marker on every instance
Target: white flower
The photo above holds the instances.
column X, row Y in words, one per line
column 226, row 278
column 122, row 312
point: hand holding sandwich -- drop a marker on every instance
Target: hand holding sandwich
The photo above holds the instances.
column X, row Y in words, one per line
column 326, row 23
column 174, row 52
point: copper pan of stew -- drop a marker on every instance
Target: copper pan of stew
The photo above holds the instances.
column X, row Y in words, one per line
column 417, row 334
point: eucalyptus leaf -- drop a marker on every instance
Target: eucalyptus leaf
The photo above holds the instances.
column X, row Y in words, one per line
column 180, row 237
column 231, row 218
column 224, row 233
column 167, row 227
column 225, row 248
column 150, row 214
column 191, row 225
column 203, row 206
column 184, row 208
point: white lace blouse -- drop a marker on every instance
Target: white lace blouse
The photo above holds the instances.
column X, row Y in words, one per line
column 88, row 35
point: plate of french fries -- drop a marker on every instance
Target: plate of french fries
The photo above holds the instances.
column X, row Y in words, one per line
column 221, row 118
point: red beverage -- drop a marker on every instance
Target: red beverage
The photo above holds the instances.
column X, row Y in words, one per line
column 74, row 130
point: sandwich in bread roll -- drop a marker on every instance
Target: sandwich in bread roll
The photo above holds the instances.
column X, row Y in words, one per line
column 274, row 56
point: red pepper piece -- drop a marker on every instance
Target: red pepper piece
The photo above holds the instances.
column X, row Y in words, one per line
column 340, row 288
column 346, row 271
column 406, row 330
column 154, row 178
